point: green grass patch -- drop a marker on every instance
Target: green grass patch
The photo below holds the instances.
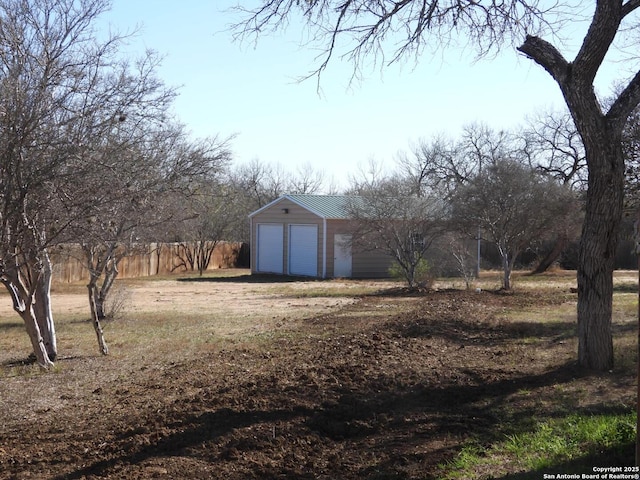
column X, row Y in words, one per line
column 556, row 441
column 553, row 443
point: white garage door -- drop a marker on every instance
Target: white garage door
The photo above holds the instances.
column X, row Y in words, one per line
column 303, row 250
column 270, row 248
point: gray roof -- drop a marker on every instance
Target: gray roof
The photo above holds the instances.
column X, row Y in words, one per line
column 333, row 207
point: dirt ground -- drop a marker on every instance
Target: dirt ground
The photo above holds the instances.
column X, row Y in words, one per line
column 384, row 386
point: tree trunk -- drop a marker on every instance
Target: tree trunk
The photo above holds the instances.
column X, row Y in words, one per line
column 37, row 342
column 558, row 247
column 22, row 305
column 602, row 138
column 97, row 326
column 110, row 275
column 42, row 308
column 597, row 249
column 506, row 277
column 507, row 265
column 99, row 301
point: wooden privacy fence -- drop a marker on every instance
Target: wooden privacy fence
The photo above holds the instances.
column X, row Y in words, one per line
column 148, row 260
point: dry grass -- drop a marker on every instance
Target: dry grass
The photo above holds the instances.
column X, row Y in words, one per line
column 182, row 313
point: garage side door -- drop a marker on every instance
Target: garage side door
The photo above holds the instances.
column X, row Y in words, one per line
column 303, row 250
column 342, row 261
column 270, row 252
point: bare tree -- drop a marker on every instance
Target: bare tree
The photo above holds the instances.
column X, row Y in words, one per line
column 50, row 71
column 208, row 220
column 444, row 164
column 364, row 28
column 513, row 205
column 73, row 116
column 148, row 166
column 105, row 197
column 434, row 164
column 387, row 216
column 555, row 147
column 552, row 145
column 463, row 256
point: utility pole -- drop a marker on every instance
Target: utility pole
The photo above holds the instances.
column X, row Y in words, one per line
column 479, row 230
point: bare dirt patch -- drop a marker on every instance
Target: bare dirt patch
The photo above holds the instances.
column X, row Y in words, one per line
column 331, row 386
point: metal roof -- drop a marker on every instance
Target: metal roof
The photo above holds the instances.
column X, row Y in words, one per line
column 333, row 207
column 325, row 206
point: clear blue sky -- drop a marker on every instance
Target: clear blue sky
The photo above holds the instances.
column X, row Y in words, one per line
column 251, row 90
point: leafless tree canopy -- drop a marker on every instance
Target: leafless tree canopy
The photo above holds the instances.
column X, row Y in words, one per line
column 555, row 147
column 513, row 204
column 443, row 163
column 387, row 215
column 390, row 30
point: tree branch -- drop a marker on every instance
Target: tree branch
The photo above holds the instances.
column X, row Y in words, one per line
column 629, row 7
column 626, row 102
column 399, row 27
column 599, row 37
column 548, row 57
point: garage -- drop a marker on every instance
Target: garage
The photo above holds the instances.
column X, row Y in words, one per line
column 270, row 248
column 303, row 250
column 308, row 235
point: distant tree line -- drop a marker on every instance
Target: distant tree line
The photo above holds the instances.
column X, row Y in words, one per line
column 518, row 196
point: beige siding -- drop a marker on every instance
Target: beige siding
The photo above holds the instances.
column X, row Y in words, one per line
column 371, row 264
column 296, row 216
column 364, row 264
